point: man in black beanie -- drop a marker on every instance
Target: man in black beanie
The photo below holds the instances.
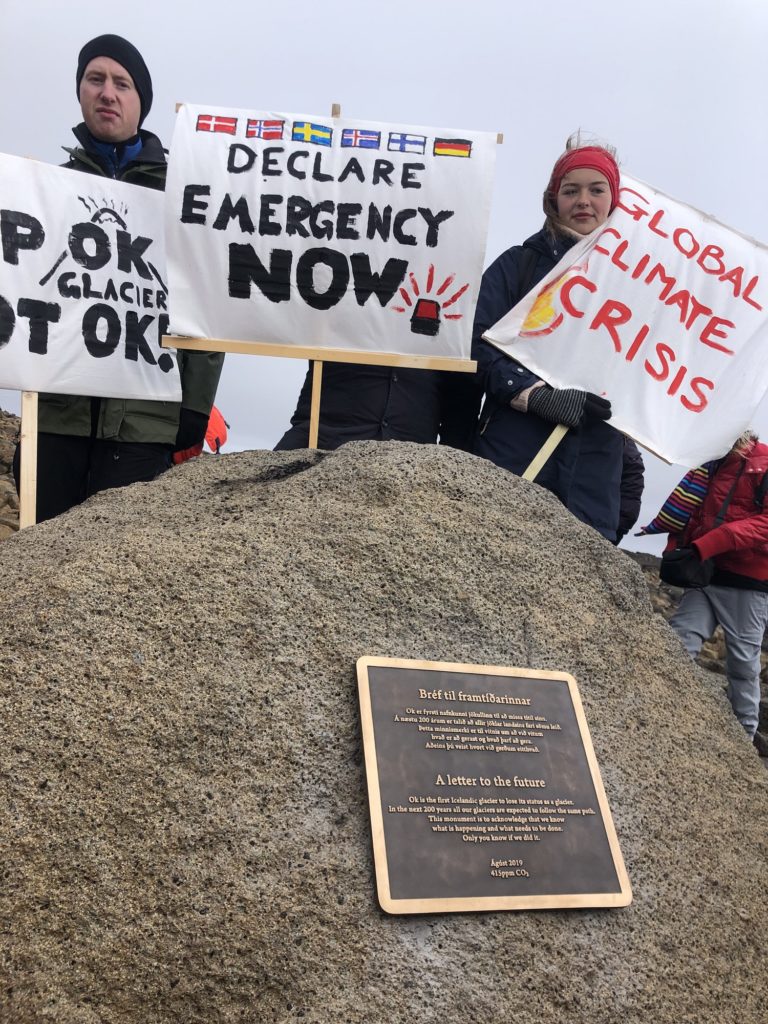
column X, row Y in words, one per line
column 87, row 444
column 116, row 50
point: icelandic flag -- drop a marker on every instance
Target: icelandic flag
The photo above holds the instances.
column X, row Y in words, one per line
column 256, row 128
column 402, row 143
column 213, row 123
column 305, row 131
column 360, row 138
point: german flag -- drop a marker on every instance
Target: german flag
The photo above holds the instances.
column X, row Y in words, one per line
column 452, row 147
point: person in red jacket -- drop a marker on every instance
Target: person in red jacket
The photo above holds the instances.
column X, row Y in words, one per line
column 737, row 597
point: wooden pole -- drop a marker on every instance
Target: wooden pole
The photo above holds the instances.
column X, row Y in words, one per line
column 545, row 451
column 314, row 409
column 28, row 469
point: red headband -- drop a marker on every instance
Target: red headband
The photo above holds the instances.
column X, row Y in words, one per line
column 586, row 156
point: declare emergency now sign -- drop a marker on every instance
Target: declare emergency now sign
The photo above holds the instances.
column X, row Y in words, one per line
column 83, row 299
column 664, row 311
column 302, row 230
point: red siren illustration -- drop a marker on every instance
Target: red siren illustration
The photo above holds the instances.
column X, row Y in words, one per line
column 425, row 309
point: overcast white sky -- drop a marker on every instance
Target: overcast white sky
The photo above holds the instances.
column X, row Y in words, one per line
column 680, row 87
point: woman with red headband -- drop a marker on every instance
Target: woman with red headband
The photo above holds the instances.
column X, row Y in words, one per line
column 520, row 410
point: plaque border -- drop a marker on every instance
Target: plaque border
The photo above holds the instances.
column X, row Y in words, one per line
column 558, row 901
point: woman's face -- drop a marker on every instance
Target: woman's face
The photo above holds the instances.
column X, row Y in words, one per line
column 584, row 200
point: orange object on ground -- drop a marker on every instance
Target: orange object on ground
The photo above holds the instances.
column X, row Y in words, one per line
column 216, row 434
column 215, row 438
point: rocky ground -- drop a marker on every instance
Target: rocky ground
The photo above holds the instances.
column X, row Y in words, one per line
column 9, row 502
column 186, row 837
column 663, row 597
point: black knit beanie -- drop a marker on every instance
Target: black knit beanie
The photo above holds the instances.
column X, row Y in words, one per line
column 127, row 56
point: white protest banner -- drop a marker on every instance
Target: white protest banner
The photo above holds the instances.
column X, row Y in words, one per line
column 664, row 311
column 82, row 293
column 310, row 231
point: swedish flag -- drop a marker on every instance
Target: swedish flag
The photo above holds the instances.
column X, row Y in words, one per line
column 305, row 131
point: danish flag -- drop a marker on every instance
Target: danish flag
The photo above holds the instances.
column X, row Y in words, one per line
column 214, row 123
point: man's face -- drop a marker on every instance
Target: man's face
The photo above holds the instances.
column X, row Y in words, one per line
column 109, row 101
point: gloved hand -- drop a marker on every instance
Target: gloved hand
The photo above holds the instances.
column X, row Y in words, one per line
column 192, row 427
column 683, row 567
column 568, row 406
column 685, row 555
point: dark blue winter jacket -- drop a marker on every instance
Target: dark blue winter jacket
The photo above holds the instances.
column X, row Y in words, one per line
column 585, row 469
column 383, row 403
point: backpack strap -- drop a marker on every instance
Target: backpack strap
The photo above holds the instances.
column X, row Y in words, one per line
column 760, row 490
column 720, row 517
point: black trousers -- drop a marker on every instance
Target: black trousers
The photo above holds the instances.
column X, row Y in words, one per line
column 71, row 469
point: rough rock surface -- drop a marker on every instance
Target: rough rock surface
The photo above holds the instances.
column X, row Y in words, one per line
column 9, row 501
column 185, row 833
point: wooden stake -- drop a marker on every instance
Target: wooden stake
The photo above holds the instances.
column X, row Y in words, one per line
column 335, row 110
column 28, row 470
column 314, row 409
column 545, row 451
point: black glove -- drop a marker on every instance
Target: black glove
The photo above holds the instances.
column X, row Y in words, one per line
column 192, row 428
column 688, row 554
column 568, row 406
column 683, row 567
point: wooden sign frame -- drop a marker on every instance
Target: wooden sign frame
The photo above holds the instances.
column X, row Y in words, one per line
column 318, row 356
column 428, row 859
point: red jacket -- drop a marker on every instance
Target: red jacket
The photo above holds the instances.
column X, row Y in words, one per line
column 740, row 543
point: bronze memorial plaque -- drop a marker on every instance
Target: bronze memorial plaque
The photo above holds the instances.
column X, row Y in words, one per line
column 484, row 790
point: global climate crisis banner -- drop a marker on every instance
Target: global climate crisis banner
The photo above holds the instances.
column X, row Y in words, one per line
column 664, row 311
column 305, row 230
column 83, row 298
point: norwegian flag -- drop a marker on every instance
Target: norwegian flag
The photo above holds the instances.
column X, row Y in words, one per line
column 260, row 129
column 214, row 123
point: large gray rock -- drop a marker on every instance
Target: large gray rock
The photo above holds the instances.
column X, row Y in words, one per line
column 9, row 501
column 185, row 833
